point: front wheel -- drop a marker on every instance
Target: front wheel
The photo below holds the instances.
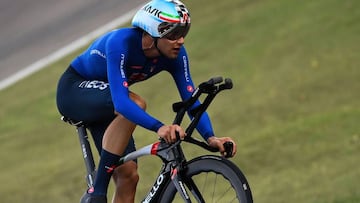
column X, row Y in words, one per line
column 211, row 179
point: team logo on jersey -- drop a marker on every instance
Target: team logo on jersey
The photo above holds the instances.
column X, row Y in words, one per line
column 97, row 52
column 95, row 84
column 125, row 84
column 190, row 88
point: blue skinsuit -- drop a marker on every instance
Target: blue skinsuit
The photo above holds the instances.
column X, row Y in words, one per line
column 118, row 58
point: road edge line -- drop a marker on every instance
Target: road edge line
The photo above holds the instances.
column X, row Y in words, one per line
column 62, row 52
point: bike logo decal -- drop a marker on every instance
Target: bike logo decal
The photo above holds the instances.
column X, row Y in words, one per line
column 154, row 189
column 183, row 190
column 84, row 151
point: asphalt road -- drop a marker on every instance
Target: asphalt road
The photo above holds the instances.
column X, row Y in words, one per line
column 31, row 30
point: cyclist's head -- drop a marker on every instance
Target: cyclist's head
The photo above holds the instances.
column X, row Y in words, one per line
column 168, row 19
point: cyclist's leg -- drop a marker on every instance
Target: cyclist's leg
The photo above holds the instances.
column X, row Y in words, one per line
column 117, row 139
column 120, row 131
column 97, row 131
column 78, row 100
column 125, row 176
column 126, row 179
column 88, row 101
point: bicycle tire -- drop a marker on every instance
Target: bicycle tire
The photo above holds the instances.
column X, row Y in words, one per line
column 211, row 174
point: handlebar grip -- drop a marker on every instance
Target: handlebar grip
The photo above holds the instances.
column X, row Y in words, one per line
column 208, row 85
column 228, row 83
column 229, row 147
column 215, row 80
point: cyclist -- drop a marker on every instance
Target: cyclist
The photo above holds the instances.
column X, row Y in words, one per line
column 95, row 89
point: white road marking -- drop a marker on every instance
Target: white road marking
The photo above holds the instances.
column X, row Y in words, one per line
column 62, row 52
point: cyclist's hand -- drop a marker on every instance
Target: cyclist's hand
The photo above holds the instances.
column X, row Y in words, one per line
column 168, row 133
column 218, row 142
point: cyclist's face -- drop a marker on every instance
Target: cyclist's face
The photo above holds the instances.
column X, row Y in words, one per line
column 170, row 48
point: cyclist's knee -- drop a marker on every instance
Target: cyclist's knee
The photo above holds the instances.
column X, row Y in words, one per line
column 126, row 175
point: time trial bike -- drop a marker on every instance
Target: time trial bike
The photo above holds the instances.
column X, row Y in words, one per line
column 207, row 178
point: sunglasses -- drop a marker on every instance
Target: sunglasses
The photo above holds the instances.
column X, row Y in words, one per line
column 180, row 30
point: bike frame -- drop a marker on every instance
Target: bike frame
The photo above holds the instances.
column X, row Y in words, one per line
column 172, row 155
column 174, row 161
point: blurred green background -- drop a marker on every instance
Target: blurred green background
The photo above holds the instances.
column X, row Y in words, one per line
column 294, row 109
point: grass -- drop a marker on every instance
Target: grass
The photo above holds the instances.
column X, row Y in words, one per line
column 294, row 110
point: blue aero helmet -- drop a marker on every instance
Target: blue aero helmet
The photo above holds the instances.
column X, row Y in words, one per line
column 168, row 19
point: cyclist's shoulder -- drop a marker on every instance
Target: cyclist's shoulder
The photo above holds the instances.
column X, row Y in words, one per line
column 121, row 39
column 124, row 34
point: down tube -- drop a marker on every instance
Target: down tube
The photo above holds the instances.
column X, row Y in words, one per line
column 155, row 191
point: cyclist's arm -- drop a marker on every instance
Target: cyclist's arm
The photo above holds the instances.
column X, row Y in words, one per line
column 184, row 83
column 116, row 61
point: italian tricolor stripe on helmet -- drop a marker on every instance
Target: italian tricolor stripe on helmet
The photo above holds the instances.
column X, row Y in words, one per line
column 169, row 18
